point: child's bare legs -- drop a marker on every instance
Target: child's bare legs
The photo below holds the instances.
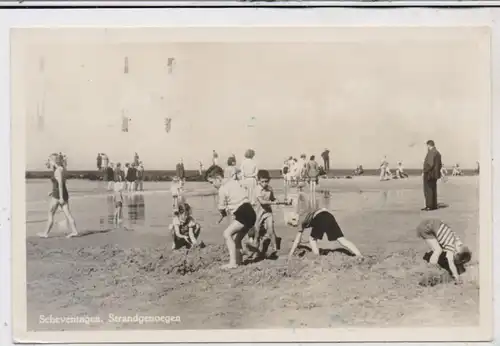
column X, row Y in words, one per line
column 54, row 204
column 238, row 239
column 349, row 246
column 71, row 220
column 272, row 234
column 233, row 236
column 175, row 202
column 118, row 216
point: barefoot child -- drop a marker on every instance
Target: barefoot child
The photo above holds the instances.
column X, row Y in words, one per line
column 233, row 199
column 320, row 221
column 444, row 243
column 176, row 190
column 185, row 230
column 264, row 228
column 118, row 202
column 59, row 196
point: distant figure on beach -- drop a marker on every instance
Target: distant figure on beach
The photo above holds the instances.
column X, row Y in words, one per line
column 99, row 162
column 432, row 173
column 312, row 172
column 140, row 177
column 136, row 160
column 180, row 171
column 59, row 196
column 249, row 171
column 215, row 158
column 118, row 174
column 325, row 155
column 477, row 168
column 385, row 173
column 400, row 173
column 302, row 168
column 200, row 167
column 131, row 177
column 444, row 173
column 231, row 171
column 109, row 176
column 359, row 171
column 118, row 202
column 105, row 160
column 457, row 171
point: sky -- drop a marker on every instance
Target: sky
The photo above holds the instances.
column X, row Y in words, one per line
column 362, row 100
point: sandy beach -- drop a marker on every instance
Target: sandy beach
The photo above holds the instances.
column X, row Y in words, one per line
column 133, row 270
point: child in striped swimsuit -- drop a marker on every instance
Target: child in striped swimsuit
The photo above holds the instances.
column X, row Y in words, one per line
column 446, row 246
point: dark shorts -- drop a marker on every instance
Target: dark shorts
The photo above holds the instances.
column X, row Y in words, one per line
column 323, row 223
column 316, row 180
column 118, row 204
column 245, row 215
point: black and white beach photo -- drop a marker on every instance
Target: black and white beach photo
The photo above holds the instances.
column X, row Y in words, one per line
column 268, row 179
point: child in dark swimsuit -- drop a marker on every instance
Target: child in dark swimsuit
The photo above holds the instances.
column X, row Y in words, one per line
column 59, row 197
column 320, row 221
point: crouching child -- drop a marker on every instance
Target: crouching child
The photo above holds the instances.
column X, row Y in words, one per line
column 447, row 250
column 185, row 230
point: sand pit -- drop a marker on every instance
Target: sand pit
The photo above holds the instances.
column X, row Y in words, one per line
column 119, row 272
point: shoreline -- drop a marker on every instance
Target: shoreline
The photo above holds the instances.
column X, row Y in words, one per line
column 194, row 175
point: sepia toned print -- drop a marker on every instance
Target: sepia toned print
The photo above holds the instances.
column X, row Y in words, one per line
column 299, row 181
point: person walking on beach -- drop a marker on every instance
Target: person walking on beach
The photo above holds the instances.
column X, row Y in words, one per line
column 99, row 162
column 180, row 171
column 432, row 173
column 215, row 158
column 140, row 177
column 105, row 160
column 200, row 168
column 136, row 160
column 312, row 172
column 325, row 155
column 109, row 175
column 59, row 197
column 249, row 175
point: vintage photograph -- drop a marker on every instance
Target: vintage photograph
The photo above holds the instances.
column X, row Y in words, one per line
column 254, row 180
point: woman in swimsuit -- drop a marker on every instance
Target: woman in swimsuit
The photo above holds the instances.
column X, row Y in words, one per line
column 59, row 197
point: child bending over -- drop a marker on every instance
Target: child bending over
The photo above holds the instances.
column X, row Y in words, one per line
column 320, row 221
column 445, row 246
column 233, row 199
column 185, row 230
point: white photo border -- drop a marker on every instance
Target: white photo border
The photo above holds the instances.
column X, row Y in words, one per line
column 339, row 17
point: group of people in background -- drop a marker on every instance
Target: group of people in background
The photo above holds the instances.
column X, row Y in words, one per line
column 131, row 174
column 386, row 174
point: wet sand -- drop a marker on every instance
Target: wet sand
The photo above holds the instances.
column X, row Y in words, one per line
column 132, row 270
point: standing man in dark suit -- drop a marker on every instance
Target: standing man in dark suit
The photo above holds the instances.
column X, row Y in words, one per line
column 432, row 173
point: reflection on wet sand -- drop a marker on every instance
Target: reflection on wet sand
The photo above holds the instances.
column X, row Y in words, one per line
column 135, row 208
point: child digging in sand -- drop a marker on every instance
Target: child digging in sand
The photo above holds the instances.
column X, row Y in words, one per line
column 233, row 199
column 320, row 221
column 264, row 228
column 185, row 230
column 447, row 249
